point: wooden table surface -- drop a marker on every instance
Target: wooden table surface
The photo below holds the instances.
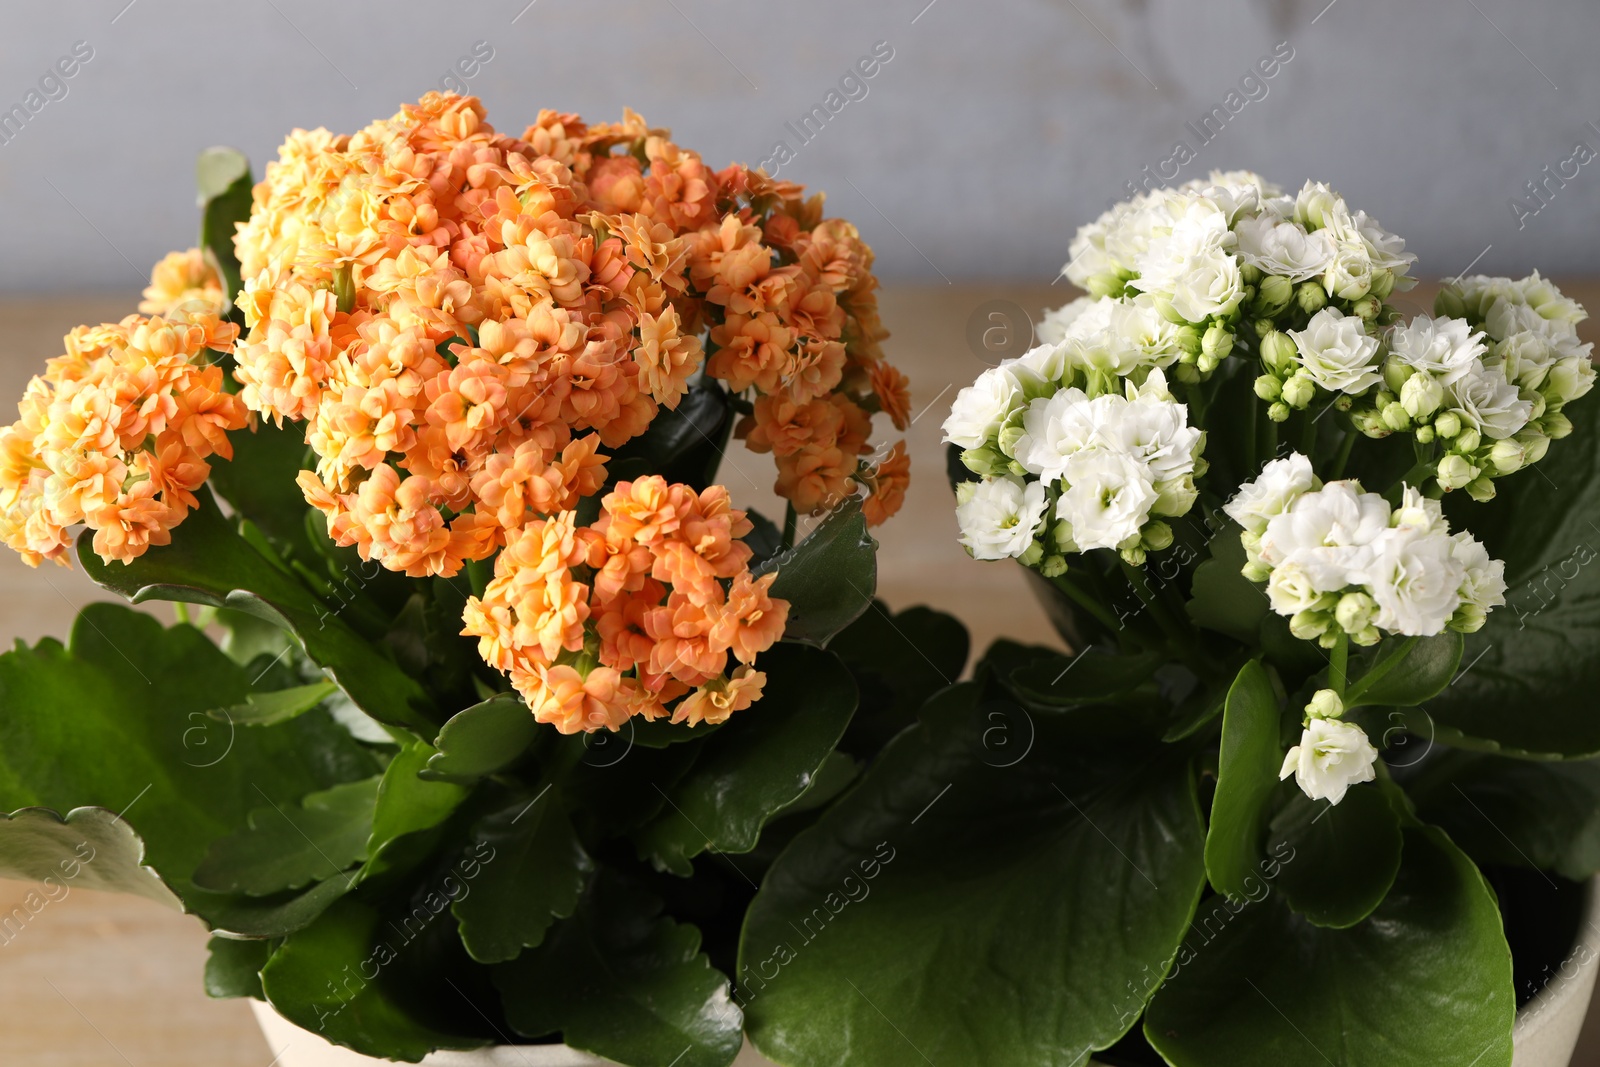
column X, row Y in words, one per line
column 96, row 979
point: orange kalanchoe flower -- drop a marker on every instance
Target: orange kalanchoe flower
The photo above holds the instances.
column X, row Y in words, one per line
column 183, row 282
column 115, row 435
column 596, row 624
column 456, row 306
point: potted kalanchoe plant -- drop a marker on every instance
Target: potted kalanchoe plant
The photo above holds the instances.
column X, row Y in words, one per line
column 1312, row 786
column 426, row 436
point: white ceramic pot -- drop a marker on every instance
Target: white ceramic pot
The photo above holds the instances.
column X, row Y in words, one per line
column 1546, row 1031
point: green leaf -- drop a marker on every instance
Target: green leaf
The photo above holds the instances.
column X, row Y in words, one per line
column 289, row 846
column 336, row 979
column 484, row 739
column 1521, row 813
column 1344, row 856
column 829, row 578
column 208, row 562
column 1424, row 982
column 1405, row 671
column 682, row 444
column 233, row 968
column 408, row 804
column 89, row 849
column 1091, row 677
column 952, row 910
column 533, row 874
column 620, row 981
column 259, row 483
column 276, row 706
column 759, row 761
column 1223, row 599
column 1247, row 776
column 273, row 916
column 1541, row 650
column 223, row 177
column 117, row 720
column 899, row 661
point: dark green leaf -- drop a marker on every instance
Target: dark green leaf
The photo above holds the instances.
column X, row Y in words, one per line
column 835, row 775
column 274, row 916
column 407, row 804
column 483, row 740
column 682, row 444
column 223, row 177
column 233, row 967
column 887, row 931
column 899, row 661
column 117, row 720
column 1424, row 982
column 90, row 849
column 1091, row 677
column 1247, row 776
column 1405, row 671
column 259, row 483
column 275, row 706
column 1342, row 857
column 334, row 978
column 289, row 845
column 208, row 562
column 534, row 870
column 1521, row 813
column 1530, row 676
column 829, row 578
column 1223, row 599
column 758, row 762
column 622, row 982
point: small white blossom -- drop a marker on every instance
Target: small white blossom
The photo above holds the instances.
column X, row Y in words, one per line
column 1283, row 248
column 1332, row 756
column 1337, row 352
column 1108, row 498
column 981, row 408
column 1274, row 489
column 999, row 516
column 1488, row 403
column 1445, row 348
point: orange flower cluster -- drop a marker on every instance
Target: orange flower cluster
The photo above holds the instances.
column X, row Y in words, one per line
column 596, row 624
column 464, row 317
column 183, row 284
column 115, row 434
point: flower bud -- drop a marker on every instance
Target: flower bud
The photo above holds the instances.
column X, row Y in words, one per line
column 1367, row 307
column 1468, row 619
column 1395, row 417
column 1395, row 374
column 1383, row 281
column 1274, row 295
column 1061, row 534
column 1165, row 309
column 1157, row 535
column 1008, row 438
column 985, row 461
column 1455, row 472
column 1369, row 422
column 1308, row 625
column 1421, row 395
column 1249, row 273
column 1447, row 425
column 1424, row 435
column 1133, row 557
column 1278, row 412
column 1268, row 387
column 1188, row 339
column 1103, row 285
column 1053, row 566
column 1506, row 456
column 1468, row 440
column 1310, row 297
column 1534, row 446
column 1367, row 638
column 1355, row 612
column 1217, row 342
column 1448, row 304
column 1556, row 425
column 1325, row 704
column 1185, row 372
column 1278, row 351
column 1481, row 489
column 1299, row 390
column 1031, row 555
column 1263, row 327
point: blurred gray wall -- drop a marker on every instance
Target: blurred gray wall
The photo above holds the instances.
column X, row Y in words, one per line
column 996, row 128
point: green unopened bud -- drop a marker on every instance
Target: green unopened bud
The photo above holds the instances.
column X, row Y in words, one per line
column 1534, row 445
column 1421, row 395
column 1468, row 440
column 1279, row 412
column 344, row 288
column 1369, row 422
column 985, row 461
column 1031, row 555
column 1157, row 535
column 1395, row 417
column 1355, row 612
column 1311, row 297
column 1383, row 281
column 1274, row 294
column 1481, row 489
column 1008, row 438
column 1448, row 424
column 1250, row 273
column 1061, row 534
column 1206, row 363
column 1395, row 374
column 1268, row 387
column 1103, row 285
column 1555, row 425
column 1217, row 342
column 1455, row 472
column 1053, row 566
column 1299, row 390
column 1541, row 403
column 1325, row 704
column 1133, row 557
column 1165, row 309
column 1506, row 456
column 1263, row 327
column 1188, row 338
column 1424, row 435
column 1367, row 307
column 1468, row 619
column 1367, row 638
column 1278, row 352
column 1309, row 625
column 1185, row 372
column 1448, row 304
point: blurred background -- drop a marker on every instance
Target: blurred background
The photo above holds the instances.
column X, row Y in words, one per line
column 967, row 140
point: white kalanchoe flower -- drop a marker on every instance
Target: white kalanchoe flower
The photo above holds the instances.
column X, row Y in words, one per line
column 982, row 408
column 1337, row 352
column 1279, row 484
column 1484, row 400
column 1284, row 248
column 1108, row 499
column 1054, row 429
column 1484, row 587
column 1416, row 580
column 1052, row 329
column 1446, row 348
column 999, row 516
column 1332, row 756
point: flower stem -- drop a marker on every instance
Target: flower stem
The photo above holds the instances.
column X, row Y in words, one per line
column 788, row 526
column 1092, row 606
column 1379, row 669
column 1343, row 459
column 1339, row 664
column 1179, row 639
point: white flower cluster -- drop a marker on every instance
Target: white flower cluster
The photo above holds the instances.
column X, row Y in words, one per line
column 1338, row 560
column 1332, row 755
column 1104, row 465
